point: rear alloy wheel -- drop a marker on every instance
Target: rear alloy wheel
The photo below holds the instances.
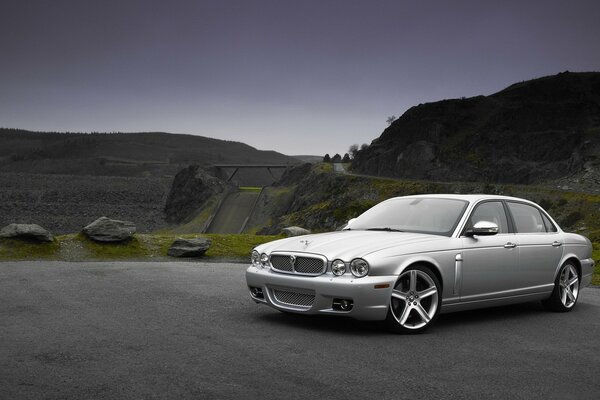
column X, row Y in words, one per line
column 415, row 302
column 566, row 290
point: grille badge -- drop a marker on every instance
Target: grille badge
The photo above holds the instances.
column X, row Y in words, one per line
column 293, row 261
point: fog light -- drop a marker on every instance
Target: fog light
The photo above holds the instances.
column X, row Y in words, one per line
column 342, row 304
column 257, row 292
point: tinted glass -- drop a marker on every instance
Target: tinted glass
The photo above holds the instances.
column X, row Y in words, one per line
column 549, row 225
column 425, row 215
column 527, row 219
column 491, row 211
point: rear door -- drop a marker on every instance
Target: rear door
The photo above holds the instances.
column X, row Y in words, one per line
column 539, row 244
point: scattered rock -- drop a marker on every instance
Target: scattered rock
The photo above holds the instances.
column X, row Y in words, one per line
column 295, row 231
column 189, row 247
column 26, row 231
column 109, row 230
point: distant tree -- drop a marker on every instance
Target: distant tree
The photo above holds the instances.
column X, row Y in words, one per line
column 327, row 158
column 353, row 150
column 364, row 146
column 346, row 158
column 336, row 158
column 390, row 120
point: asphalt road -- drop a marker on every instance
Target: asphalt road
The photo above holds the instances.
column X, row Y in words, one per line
column 189, row 330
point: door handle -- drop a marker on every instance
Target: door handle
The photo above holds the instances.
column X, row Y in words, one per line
column 556, row 243
column 510, row 245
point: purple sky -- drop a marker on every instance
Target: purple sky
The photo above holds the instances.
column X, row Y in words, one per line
column 299, row 77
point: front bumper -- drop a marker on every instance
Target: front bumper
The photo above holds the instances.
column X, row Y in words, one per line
column 368, row 302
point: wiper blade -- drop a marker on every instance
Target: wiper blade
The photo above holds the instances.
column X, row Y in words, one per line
column 386, row 229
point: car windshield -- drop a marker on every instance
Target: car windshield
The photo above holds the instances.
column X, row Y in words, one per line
column 420, row 214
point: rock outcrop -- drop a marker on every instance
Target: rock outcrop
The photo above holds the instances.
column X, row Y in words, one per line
column 189, row 247
column 531, row 132
column 109, row 230
column 191, row 188
column 31, row 232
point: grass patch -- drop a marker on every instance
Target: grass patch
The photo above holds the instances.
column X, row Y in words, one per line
column 249, row 188
column 15, row 249
column 596, row 257
column 77, row 247
column 133, row 248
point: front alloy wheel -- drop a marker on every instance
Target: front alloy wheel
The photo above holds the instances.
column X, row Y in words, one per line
column 566, row 290
column 415, row 301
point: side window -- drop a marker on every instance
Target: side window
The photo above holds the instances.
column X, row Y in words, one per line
column 527, row 219
column 549, row 225
column 491, row 211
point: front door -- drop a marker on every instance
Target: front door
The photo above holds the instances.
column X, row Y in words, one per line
column 489, row 263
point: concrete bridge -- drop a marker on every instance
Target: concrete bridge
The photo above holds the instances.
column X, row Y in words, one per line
column 237, row 167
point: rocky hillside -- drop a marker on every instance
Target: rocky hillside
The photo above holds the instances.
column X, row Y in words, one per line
column 536, row 131
column 66, row 203
column 323, row 201
column 127, row 154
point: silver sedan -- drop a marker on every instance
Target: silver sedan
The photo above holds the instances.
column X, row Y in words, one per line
column 409, row 258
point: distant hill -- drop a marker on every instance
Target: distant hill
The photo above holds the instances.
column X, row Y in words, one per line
column 122, row 154
column 536, row 131
column 308, row 158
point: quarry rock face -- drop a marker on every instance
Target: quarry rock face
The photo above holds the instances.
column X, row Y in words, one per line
column 191, row 188
column 189, row 247
column 109, row 230
column 529, row 133
column 26, row 231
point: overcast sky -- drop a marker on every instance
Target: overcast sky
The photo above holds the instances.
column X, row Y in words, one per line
column 299, row 77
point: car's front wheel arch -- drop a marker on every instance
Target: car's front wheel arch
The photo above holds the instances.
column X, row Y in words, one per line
column 433, row 267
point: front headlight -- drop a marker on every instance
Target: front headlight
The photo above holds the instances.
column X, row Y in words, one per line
column 255, row 258
column 264, row 260
column 359, row 267
column 338, row 267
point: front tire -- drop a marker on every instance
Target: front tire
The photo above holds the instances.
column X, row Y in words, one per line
column 566, row 289
column 416, row 301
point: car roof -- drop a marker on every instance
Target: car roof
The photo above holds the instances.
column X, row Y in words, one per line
column 467, row 197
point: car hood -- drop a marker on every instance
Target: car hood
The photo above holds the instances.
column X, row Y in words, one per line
column 347, row 245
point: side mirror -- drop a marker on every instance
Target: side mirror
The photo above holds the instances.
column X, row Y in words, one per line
column 482, row 228
column 347, row 224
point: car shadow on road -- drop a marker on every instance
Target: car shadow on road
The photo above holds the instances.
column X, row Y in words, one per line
column 511, row 314
column 504, row 315
column 338, row 324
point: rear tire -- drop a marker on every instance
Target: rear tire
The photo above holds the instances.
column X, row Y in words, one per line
column 416, row 301
column 566, row 289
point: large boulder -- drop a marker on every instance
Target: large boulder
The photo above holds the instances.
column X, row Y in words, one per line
column 109, row 230
column 295, row 231
column 191, row 188
column 189, row 247
column 26, row 231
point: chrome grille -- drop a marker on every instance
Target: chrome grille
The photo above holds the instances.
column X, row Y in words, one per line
column 294, row 298
column 298, row 264
column 282, row 263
